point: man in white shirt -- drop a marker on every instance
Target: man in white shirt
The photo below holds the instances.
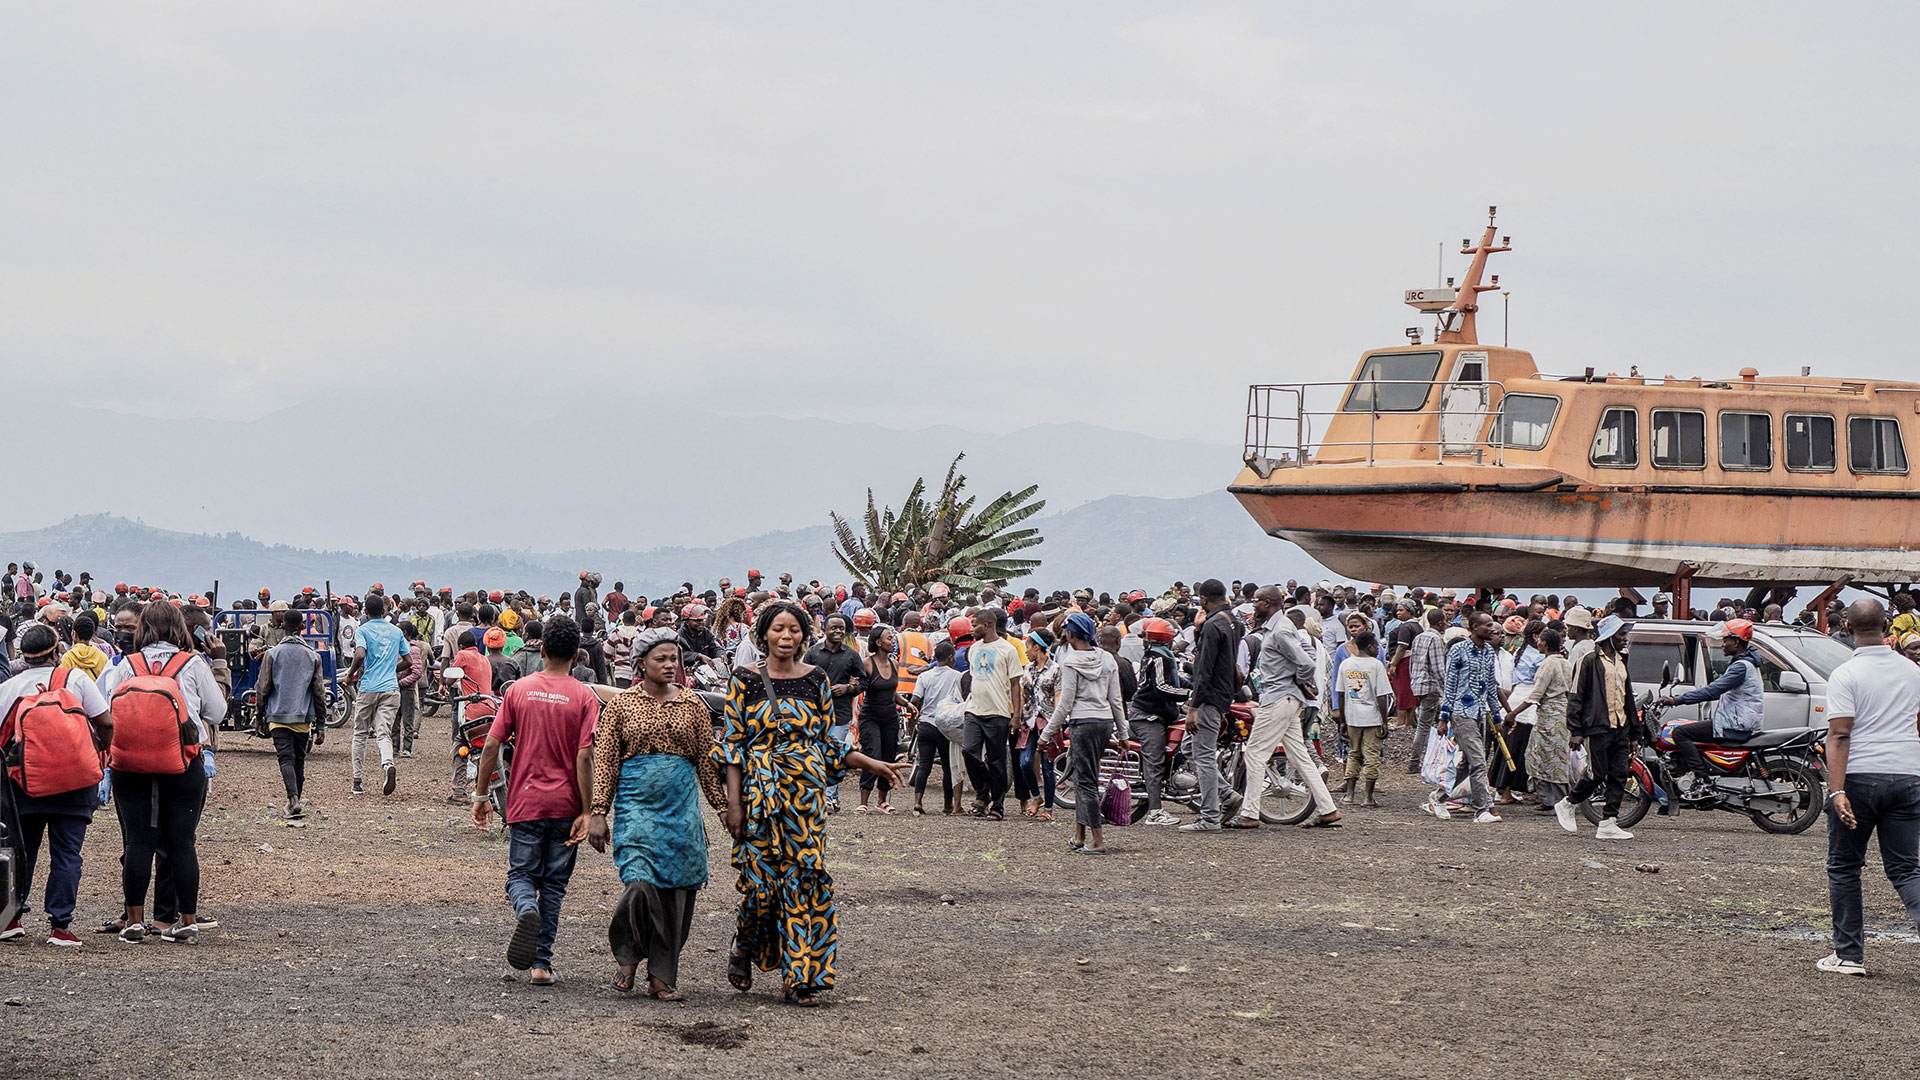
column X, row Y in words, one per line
column 1873, row 766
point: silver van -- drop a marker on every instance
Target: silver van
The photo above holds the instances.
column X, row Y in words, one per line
column 1795, row 664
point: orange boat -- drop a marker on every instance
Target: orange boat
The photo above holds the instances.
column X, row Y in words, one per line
column 1462, row 463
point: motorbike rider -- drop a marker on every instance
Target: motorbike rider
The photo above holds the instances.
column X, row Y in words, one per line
column 1742, row 697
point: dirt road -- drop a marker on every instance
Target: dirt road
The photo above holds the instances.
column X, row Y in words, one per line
column 370, row 944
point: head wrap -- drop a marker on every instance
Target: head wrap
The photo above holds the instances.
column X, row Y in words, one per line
column 650, row 640
column 1081, row 625
column 1514, row 624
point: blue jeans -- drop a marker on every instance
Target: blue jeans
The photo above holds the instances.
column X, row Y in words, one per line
column 539, row 865
column 838, row 733
column 1890, row 803
column 64, row 836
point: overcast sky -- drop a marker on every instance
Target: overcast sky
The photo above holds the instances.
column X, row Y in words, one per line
column 973, row 212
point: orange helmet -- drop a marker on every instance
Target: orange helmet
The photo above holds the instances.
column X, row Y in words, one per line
column 1739, row 628
column 864, row 619
column 961, row 627
column 1156, row 630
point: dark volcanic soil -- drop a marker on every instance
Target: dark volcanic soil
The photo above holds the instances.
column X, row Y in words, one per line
column 370, row 944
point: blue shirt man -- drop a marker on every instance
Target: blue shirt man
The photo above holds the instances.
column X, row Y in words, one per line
column 384, row 645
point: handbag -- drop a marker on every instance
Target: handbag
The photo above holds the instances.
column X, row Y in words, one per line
column 1117, row 805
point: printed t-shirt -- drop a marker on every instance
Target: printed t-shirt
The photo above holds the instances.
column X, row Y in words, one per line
column 994, row 666
column 550, row 719
column 385, row 644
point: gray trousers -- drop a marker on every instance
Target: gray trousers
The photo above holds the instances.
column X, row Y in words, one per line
column 1204, row 745
column 1470, row 733
column 1088, row 742
column 1151, row 730
column 373, row 715
column 1424, row 715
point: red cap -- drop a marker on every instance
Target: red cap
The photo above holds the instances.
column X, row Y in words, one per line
column 45, row 600
column 120, row 587
column 308, row 591
column 755, row 573
column 739, row 591
column 446, row 590
column 494, row 596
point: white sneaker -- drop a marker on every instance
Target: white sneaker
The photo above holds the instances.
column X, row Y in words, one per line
column 1610, row 830
column 1436, row 807
column 1564, row 811
column 1160, row 817
column 1487, row 817
column 1833, row 964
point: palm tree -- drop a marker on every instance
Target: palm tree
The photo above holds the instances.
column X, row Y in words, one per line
column 940, row 539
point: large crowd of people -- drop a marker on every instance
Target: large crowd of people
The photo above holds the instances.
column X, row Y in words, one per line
column 624, row 713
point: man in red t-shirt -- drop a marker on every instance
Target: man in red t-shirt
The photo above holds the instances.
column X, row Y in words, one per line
column 616, row 601
column 550, row 717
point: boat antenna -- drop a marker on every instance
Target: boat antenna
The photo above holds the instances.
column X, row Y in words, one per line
column 1456, row 322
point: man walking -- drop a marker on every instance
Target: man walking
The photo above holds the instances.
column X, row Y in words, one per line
column 1216, row 678
column 379, row 658
column 1466, row 708
column 994, row 670
column 551, row 718
column 844, row 670
column 1873, row 767
column 1602, row 716
column 1427, row 678
column 1286, row 678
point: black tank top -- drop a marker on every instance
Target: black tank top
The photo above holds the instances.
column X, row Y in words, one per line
column 878, row 702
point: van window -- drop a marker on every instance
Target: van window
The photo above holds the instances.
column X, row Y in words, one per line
column 1616, row 444
column 1770, row 667
column 1679, row 439
column 1525, row 420
column 1746, row 441
column 1404, row 381
column 1873, row 445
column 1810, row 445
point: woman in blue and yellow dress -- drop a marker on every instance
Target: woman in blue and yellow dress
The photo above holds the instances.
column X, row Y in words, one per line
column 780, row 762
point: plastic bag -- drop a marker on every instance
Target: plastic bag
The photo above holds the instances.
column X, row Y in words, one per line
column 1441, row 761
column 1582, row 764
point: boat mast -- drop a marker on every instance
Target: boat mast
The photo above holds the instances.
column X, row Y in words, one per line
column 1456, row 321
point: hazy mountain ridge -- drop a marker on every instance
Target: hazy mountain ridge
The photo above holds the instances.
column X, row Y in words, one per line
column 1122, row 541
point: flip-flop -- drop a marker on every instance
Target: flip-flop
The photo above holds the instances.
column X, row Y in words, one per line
column 542, row 980
column 918, row 812
column 669, row 994
column 626, row 987
column 1093, row 851
column 799, row 998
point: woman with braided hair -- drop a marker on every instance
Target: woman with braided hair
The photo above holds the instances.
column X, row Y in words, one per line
column 780, row 763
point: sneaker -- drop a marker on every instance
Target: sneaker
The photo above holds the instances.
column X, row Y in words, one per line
column 392, row 778
column 134, row 933
column 525, row 940
column 13, row 930
column 833, row 806
column 356, row 789
column 408, row 752
column 204, row 923
column 1610, row 830
column 460, row 800
column 1160, row 817
column 1437, row 808
column 1486, row 817
column 179, row 934
column 1199, row 826
column 1832, row 964
column 63, row 936
column 1564, row 811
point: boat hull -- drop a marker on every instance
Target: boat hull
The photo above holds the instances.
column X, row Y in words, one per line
column 1464, row 534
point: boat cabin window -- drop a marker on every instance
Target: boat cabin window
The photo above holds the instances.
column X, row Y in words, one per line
column 1873, row 445
column 1746, row 441
column 1525, row 420
column 1394, row 382
column 1679, row 439
column 1810, row 445
column 1616, row 445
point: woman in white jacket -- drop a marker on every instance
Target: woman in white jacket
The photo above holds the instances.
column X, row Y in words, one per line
column 1088, row 702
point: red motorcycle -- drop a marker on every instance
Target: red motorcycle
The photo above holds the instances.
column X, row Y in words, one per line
column 1284, row 800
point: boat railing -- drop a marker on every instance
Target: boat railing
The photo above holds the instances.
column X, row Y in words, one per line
column 1281, row 427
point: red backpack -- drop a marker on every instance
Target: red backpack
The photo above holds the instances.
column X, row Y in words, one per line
column 152, row 730
column 49, row 743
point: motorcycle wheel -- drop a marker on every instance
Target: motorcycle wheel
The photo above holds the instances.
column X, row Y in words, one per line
column 1807, row 808
column 1284, row 800
column 430, row 706
column 1634, row 805
column 1063, row 794
column 337, row 714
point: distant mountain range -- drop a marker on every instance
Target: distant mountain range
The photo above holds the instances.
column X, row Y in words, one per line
column 628, row 474
column 1118, row 542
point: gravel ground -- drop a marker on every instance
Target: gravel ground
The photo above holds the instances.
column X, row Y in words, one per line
column 370, row 944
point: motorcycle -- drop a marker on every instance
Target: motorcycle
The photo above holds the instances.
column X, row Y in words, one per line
column 473, row 738
column 1284, row 800
column 1776, row 778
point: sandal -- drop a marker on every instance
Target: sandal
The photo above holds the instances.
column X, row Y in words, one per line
column 1044, row 815
column 996, row 815
column 624, row 984
column 668, row 994
column 1030, row 809
column 113, row 927
column 802, row 998
column 739, row 970
column 887, row 808
column 861, row 809
column 1074, row 845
